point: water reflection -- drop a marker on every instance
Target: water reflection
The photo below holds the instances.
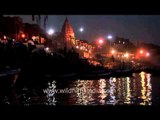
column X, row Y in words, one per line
column 124, row 90
column 149, row 90
column 50, row 93
column 146, row 89
column 113, row 91
column 102, row 91
column 84, row 92
column 128, row 91
column 143, row 90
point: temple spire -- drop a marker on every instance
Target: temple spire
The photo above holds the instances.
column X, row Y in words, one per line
column 68, row 33
column 66, row 38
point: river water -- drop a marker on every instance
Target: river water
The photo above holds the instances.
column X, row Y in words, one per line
column 139, row 89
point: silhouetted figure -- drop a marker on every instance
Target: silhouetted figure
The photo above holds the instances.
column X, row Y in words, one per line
column 123, row 65
column 113, row 59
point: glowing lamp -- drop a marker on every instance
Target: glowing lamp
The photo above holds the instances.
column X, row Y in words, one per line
column 81, row 29
column 112, row 51
column 109, row 37
column 141, row 51
column 147, row 54
column 23, row 35
column 100, row 41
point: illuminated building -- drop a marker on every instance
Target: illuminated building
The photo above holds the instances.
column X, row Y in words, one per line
column 66, row 39
column 35, row 33
column 12, row 27
column 122, row 45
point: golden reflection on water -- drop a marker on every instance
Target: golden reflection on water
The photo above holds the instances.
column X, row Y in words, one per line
column 84, row 92
column 90, row 91
column 143, row 90
column 112, row 91
column 102, row 91
column 128, row 91
column 146, row 88
column 123, row 90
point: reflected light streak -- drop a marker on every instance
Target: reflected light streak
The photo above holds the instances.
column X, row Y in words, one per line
column 102, row 90
column 143, row 90
column 128, row 91
column 51, row 94
column 84, row 94
column 146, row 88
column 112, row 91
column 149, row 89
column 119, row 88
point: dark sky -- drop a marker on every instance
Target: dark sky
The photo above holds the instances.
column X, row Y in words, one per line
column 134, row 27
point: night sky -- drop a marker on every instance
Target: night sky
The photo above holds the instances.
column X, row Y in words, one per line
column 134, row 27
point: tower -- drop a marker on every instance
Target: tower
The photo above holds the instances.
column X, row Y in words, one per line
column 68, row 34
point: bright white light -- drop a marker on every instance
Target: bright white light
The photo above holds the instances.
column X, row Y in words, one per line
column 126, row 55
column 147, row 54
column 77, row 46
column 50, row 32
column 47, row 48
column 81, row 29
column 112, row 51
column 5, row 37
column 100, row 41
column 141, row 51
column 109, row 37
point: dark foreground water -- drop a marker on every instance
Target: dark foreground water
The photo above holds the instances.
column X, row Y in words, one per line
column 140, row 89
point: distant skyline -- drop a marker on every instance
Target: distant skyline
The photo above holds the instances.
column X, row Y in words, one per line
column 144, row 28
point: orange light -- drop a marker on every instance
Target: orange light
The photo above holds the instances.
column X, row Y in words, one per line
column 126, row 55
column 141, row 51
column 112, row 51
column 23, row 35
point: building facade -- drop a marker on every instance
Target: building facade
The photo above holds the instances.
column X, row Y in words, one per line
column 66, row 39
column 11, row 27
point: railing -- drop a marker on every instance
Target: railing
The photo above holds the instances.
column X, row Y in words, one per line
column 10, row 72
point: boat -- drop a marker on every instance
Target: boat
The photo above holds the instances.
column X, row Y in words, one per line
column 9, row 77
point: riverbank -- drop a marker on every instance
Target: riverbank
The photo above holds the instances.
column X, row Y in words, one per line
column 35, row 95
column 103, row 74
column 12, row 75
